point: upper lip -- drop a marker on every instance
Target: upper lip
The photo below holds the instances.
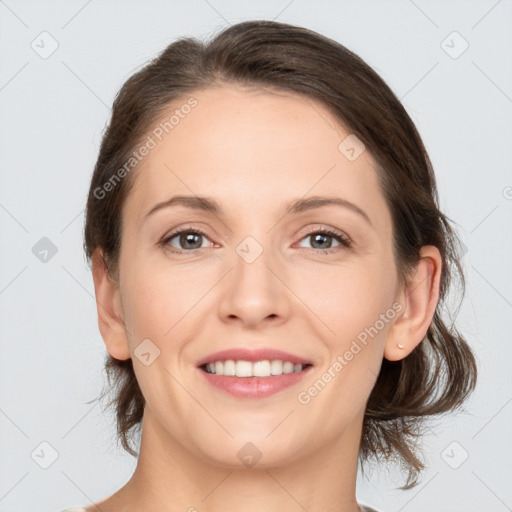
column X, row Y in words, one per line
column 247, row 354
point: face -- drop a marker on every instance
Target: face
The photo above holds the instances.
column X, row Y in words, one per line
column 256, row 275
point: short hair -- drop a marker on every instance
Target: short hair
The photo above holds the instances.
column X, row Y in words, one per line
column 439, row 374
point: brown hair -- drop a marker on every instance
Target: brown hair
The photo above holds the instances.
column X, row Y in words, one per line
column 441, row 371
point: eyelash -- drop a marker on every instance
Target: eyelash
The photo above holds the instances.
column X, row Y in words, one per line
column 340, row 237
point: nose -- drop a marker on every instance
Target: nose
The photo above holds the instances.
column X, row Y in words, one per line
column 254, row 293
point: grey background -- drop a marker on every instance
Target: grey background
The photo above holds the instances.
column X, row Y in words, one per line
column 53, row 111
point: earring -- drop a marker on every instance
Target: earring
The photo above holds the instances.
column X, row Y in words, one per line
column 400, row 346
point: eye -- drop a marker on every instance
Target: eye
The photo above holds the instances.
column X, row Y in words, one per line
column 189, row 239
column 322, row 237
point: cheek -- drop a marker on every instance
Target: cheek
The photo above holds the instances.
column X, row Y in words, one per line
column 160, row 299
column 346, row 299
column 147, row 300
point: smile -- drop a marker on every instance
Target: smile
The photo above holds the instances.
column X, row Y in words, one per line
column 258, row 379
column 242, row 368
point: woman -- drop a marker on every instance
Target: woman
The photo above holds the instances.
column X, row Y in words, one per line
column 259, row 366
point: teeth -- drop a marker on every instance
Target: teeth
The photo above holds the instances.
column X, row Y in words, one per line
column 228, row 368
column 249, row 369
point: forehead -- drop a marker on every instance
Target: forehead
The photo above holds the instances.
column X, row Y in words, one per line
column 253, row 148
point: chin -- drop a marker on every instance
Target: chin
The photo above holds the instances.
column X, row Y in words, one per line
column 250, row 452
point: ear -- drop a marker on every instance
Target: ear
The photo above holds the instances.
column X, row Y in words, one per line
column 110, row 310
column 419, row 299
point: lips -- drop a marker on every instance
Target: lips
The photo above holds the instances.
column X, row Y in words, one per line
column 244, row 387
column 253, row 355
column 254, row 387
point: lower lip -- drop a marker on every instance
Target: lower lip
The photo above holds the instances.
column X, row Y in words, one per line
column 254, row 387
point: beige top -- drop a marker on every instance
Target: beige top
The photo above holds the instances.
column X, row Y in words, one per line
column 363, row 508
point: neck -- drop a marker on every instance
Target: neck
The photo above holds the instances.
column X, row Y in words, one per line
column 170, row 478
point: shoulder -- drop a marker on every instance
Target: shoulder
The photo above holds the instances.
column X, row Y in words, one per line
column 82, row 509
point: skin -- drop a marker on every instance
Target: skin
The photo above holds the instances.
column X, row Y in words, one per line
column 254, row 151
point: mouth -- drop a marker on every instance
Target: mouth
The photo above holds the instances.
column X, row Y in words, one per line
column 253, row 379
column 253, row 369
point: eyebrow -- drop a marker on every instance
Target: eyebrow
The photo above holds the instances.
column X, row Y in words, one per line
column 209, row 205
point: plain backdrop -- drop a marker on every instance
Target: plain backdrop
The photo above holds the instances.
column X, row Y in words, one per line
column 61, row 63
